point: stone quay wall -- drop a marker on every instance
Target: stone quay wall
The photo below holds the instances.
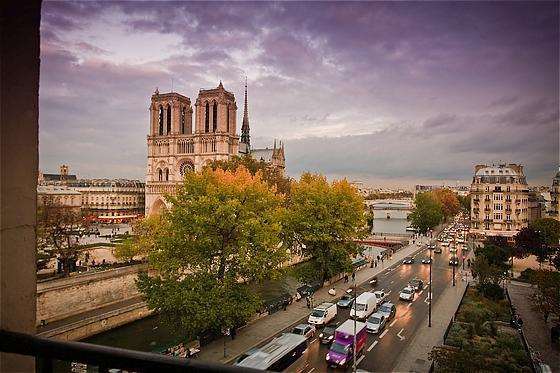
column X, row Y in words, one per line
column 62, row 298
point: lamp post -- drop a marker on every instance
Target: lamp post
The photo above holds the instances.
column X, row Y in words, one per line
column 355, row 317
column 430, row 294
column 453, row 278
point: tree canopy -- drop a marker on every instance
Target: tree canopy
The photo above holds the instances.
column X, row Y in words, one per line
column 222, row 231
column 323, row 219
column 427, row 212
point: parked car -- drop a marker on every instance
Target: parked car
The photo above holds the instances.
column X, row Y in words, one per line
column 387, row 309
column 426, row 260
column 373, row 281
column 416, row 284
column 364, row 305
column 345, row 301
column 454, row 261
column 307, row 330
column 379, row 296
column 408, row 260
column 407, row 294
column 327, row 334
column 375, row 323
column 308, row 289
column 438, row 250
column 322, row 314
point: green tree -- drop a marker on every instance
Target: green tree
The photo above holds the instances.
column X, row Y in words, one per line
column 221, row 233
column 529, row 241
column 448, row 200
column 465, row 202
column 145, row 233
column 548, row 229
column 323, row 220
column 427, row 212
column 546, row 298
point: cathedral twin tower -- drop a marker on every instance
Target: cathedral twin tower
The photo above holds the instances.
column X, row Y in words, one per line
column 174, row 148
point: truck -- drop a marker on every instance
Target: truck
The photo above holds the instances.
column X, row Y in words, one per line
column 341, row 351
column 364, row 305
column 323, row 314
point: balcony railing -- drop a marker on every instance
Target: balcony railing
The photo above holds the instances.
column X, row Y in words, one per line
column 46, row 351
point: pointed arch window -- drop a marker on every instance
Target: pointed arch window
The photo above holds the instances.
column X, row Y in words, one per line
column 168, row 119
column 207, row 118
column 214, row 117
column 160, row 175
column 160, row 120
column 167, row 174
column 227, row 119
column 182, row 120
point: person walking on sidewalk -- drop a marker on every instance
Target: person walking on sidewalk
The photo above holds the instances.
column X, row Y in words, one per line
column 353, row 276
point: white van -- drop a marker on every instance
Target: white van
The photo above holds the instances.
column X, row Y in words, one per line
column 364, row 306
column 322, row 314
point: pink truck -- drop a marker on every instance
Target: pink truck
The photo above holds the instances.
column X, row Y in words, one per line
column 342, row 349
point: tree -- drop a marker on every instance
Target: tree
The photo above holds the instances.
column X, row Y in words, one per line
column 323, row 220
column 273, row 176
column 58, row 231
column 449, row 202
column 529, row 241
column 546, row 298
column 221, row 233
column 465, row 202
column 489, row 276
column 427, row 212
column 143, row 240
column 548, row 229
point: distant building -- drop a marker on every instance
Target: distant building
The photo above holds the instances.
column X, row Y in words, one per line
column 363, row 190
column 59, row 196
column 554, row 211
column 499, row 200
column 110, row 200
column 62, row 177
column 461, row 190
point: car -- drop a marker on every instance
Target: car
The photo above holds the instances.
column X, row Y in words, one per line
column 346, row 301
column 408, row 260
column 375, row 323
column 445, row 243
column 453, row 250
column 431, row 246
column 407, row 294
column 426, row 260
column 327, row 334
column 380, row 296
column 373, row 281
column 308, row 289
column 322, row 314
column 454, row 261
column 388, row 309
column 437, row 250
column 416, row 284
column 307, row 330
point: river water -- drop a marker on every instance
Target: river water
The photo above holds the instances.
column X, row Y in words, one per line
column 390, row 216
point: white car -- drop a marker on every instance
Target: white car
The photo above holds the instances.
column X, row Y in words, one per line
column 407, row 294
column 322, row 314
column 380, row 296
column 376, row 322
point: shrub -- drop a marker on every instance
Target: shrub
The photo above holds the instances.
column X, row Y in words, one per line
column 491, row 291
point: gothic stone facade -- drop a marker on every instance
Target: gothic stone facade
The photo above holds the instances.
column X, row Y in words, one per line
column 175, row 148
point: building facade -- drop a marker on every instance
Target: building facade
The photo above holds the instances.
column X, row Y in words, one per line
column 175, row 147
column 59, row 196
column 110, row 200
column 554, row 211
column 499, row 200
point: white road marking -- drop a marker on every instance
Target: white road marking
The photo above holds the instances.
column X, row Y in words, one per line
column 383, row 334
column 425, row 286
column 311, row 370
column 373, row 345
column 420, row 293
column 313, row 340
column 393, row 323
column 409, row 305
column 360, row 359
column 392, row 282
column 400, row 336
column 389, row 292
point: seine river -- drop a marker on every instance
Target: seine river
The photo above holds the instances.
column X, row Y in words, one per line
column 390, row 216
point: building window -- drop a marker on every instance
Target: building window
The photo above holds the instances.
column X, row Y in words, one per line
column 227, row 119
column 168, row 119
column 183, row 120
column 160, row 175
column 167, row 174
column 160, row 120
column 214, row 117
column 207, row 118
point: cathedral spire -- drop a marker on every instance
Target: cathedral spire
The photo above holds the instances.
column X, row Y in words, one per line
column 245, row 138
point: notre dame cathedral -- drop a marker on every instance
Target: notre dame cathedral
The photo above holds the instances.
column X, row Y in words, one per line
column 175, row 148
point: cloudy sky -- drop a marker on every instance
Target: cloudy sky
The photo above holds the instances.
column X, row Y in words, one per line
column 390, row 93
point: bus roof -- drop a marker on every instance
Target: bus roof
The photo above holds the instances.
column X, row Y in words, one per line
column 267, row 355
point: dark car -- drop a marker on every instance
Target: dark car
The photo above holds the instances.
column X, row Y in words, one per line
column 416, row 284
column 438, row 250
column 308, row 289
column 454, row 261
column 408, row 260
column 327, row 334
column 346, row 301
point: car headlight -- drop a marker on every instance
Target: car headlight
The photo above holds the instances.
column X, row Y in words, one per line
column 330, row 337
column 321, row 335
column 343, row 361
column 327, row 358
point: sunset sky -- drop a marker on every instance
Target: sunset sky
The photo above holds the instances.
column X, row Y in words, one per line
column 390, row 93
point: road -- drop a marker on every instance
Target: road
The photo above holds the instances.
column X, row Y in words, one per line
column 383, row 350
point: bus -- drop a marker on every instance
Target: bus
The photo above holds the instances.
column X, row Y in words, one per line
column 285, row 353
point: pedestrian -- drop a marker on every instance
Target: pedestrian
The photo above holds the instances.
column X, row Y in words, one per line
column 376, row 264
column 233, row 332
column 353, row 276
column 381, row 260
column 346, row 278
column 307, row 301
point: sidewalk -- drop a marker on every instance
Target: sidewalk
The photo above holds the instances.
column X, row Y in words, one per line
column 267, row 327
column 415, row 357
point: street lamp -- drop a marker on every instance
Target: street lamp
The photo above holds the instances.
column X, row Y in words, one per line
column 430, row 294
column 355, row 317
